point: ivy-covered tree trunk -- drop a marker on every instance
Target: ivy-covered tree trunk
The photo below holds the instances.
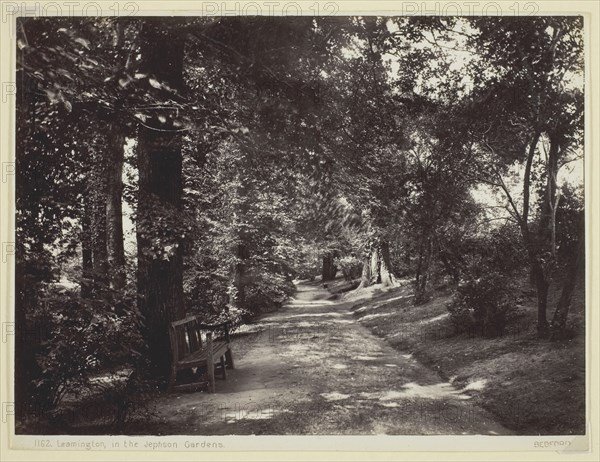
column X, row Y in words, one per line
column 160, row 263
column 114, row 210
column 160, row 258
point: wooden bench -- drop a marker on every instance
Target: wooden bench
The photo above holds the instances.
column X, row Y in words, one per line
column 190, row 350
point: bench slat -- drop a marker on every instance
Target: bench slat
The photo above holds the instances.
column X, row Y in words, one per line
column 219, row 349
column 183, row 321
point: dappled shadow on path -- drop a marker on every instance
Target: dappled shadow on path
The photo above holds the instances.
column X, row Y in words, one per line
column 310, row 368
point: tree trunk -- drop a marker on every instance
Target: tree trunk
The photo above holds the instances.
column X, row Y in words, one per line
column 114, row 211
column 552, row 196
column 160, row 268
column 377, row 267
column 329, row 269
column 386, row 275
column 527, row 184
column 559, row 320
column 422, row 275
column 542, row 285
column 451, row 268
column 243, row 197
column 87, row 264
column 365, row 279
column 535, row 250
column 160, row 271
column 239, row 277
column 542, row 256
column 99, row 243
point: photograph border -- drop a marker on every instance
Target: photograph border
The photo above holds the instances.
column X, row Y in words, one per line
column 322, row 447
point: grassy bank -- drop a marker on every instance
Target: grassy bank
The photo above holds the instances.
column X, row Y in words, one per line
column 533, row 386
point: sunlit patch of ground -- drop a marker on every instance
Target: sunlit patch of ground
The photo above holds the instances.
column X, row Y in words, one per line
column 377, row 315
column 365, row 358
column 334, row 396
column 331, row 314
column 435, row 318
column 379, row 305
column 308, row 303
column 443, row 390
column 339, row 366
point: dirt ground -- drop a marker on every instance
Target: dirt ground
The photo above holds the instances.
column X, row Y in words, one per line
column 312, row 368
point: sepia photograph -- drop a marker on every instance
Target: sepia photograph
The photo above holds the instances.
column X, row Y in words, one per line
column 299, row 225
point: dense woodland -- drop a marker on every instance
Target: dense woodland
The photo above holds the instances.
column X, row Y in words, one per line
column 168, row 166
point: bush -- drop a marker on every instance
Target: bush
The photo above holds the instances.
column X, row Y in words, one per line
column 267, row 292
column 126, row 397
column 82, row 339
column 350, row 266
column 306, row 269
column 486, row 297
column 484, row 305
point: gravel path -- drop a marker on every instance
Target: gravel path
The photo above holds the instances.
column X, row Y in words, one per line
column 311, row 368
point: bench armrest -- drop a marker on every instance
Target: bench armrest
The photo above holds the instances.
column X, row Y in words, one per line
column 221, row 325
column 224, row 326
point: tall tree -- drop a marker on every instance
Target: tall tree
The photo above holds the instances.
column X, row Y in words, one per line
column 551, row 106
column 114, row 212
column 159, row 233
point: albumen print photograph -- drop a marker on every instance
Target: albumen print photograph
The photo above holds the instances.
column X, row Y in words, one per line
column 300, row 225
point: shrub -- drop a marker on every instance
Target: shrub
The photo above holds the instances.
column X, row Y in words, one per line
column 487, row 296
column 350, row 266
column 484, row 305
column 82, row 339
column 267, row 292
column 126, row 397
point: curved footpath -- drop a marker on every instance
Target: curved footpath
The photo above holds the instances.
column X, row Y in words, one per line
column 311, row 368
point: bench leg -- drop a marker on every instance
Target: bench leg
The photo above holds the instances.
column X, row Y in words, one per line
column 223, row 372
column 172, row 379
column 229, row 357
column 211, row 377
column 210, row 363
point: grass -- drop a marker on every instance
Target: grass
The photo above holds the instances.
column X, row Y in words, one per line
column 533, row 386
